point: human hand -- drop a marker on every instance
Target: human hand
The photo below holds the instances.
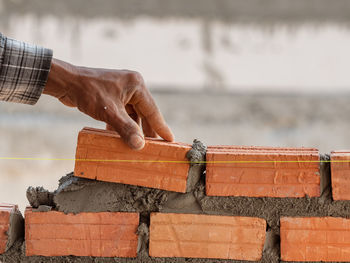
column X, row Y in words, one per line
column 116, row 97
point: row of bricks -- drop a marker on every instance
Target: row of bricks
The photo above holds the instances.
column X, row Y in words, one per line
column 114, row 234
column 230, row 170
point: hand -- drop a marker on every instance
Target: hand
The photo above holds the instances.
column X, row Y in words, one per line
column 117, row 97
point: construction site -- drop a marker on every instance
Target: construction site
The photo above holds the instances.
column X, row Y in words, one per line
column 256, row 94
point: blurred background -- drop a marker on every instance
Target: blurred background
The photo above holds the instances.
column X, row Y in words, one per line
column 241, row 72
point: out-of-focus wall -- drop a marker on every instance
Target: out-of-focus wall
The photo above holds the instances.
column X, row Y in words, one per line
column 283, row 45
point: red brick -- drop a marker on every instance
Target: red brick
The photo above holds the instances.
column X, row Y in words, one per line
column 5, row 213
column 340, row 172
column 206, row 236
column 104, row 234
column 315, row 239
column 94, row 144
column 262, row 171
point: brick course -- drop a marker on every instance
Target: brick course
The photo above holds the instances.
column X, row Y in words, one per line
column 253, row 172
column 315, row 239
column 340, row 172
column 104, row 234
column 107, row 145
column 290, row 176
column 206, row 236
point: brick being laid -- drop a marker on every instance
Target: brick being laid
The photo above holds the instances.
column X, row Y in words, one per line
column 159, row 164
column 11, row 226
column 206, row 236
column 340, row 174
column 262, row 171
column 315, row 239
column 103, row 234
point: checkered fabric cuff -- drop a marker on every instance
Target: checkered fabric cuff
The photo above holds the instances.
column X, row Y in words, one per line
column 24, row 70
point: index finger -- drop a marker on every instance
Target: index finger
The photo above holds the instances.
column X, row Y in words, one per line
column 147, row 108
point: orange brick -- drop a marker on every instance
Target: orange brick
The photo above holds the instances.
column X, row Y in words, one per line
column 97, row 144
column 5, row 213
column 104, row 234
column 315, row 239
column 262, row 171
column 206, row 236
column 340, row 172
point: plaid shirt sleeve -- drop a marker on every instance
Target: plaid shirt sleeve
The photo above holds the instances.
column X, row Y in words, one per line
column 24, row 70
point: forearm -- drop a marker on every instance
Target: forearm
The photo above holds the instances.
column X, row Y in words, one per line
column 24, row 70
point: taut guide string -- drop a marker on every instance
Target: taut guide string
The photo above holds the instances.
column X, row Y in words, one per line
column 170, row 161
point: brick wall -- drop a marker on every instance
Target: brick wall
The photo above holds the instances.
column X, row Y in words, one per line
column 277, row 180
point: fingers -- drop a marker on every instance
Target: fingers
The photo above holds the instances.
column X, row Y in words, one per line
column 147, row 129
column 145, row 105
column 132, row 113
column 128, row 129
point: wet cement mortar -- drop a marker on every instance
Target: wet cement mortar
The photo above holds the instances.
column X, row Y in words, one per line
column 76, row 195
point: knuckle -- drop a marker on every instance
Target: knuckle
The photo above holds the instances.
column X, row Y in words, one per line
column 126, row 130
column 135, row 78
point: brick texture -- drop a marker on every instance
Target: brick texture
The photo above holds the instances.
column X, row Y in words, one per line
column 252, row 176
column 106, row 145
column 206, row 236
column 104, row 234
column 315, row 239
column 5, row 212
column 340, row 172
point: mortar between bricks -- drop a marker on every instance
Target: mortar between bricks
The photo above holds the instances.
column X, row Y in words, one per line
column 11, row 222
column 146, row 200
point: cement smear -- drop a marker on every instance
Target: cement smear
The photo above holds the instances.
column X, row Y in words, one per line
column 42, row 208
column 16, row 229
column 76, row 195
column 197, row 157
column 39, row 196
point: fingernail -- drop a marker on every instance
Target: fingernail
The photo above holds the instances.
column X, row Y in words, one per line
column 136, row 141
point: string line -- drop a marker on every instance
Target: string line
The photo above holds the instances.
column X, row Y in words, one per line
column 171, row 161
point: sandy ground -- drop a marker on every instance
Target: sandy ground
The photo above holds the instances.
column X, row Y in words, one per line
column 50, row 130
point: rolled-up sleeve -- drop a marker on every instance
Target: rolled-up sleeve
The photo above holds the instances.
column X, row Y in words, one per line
column 24, row 70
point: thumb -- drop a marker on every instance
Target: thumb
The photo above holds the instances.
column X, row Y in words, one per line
column 127, row 128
